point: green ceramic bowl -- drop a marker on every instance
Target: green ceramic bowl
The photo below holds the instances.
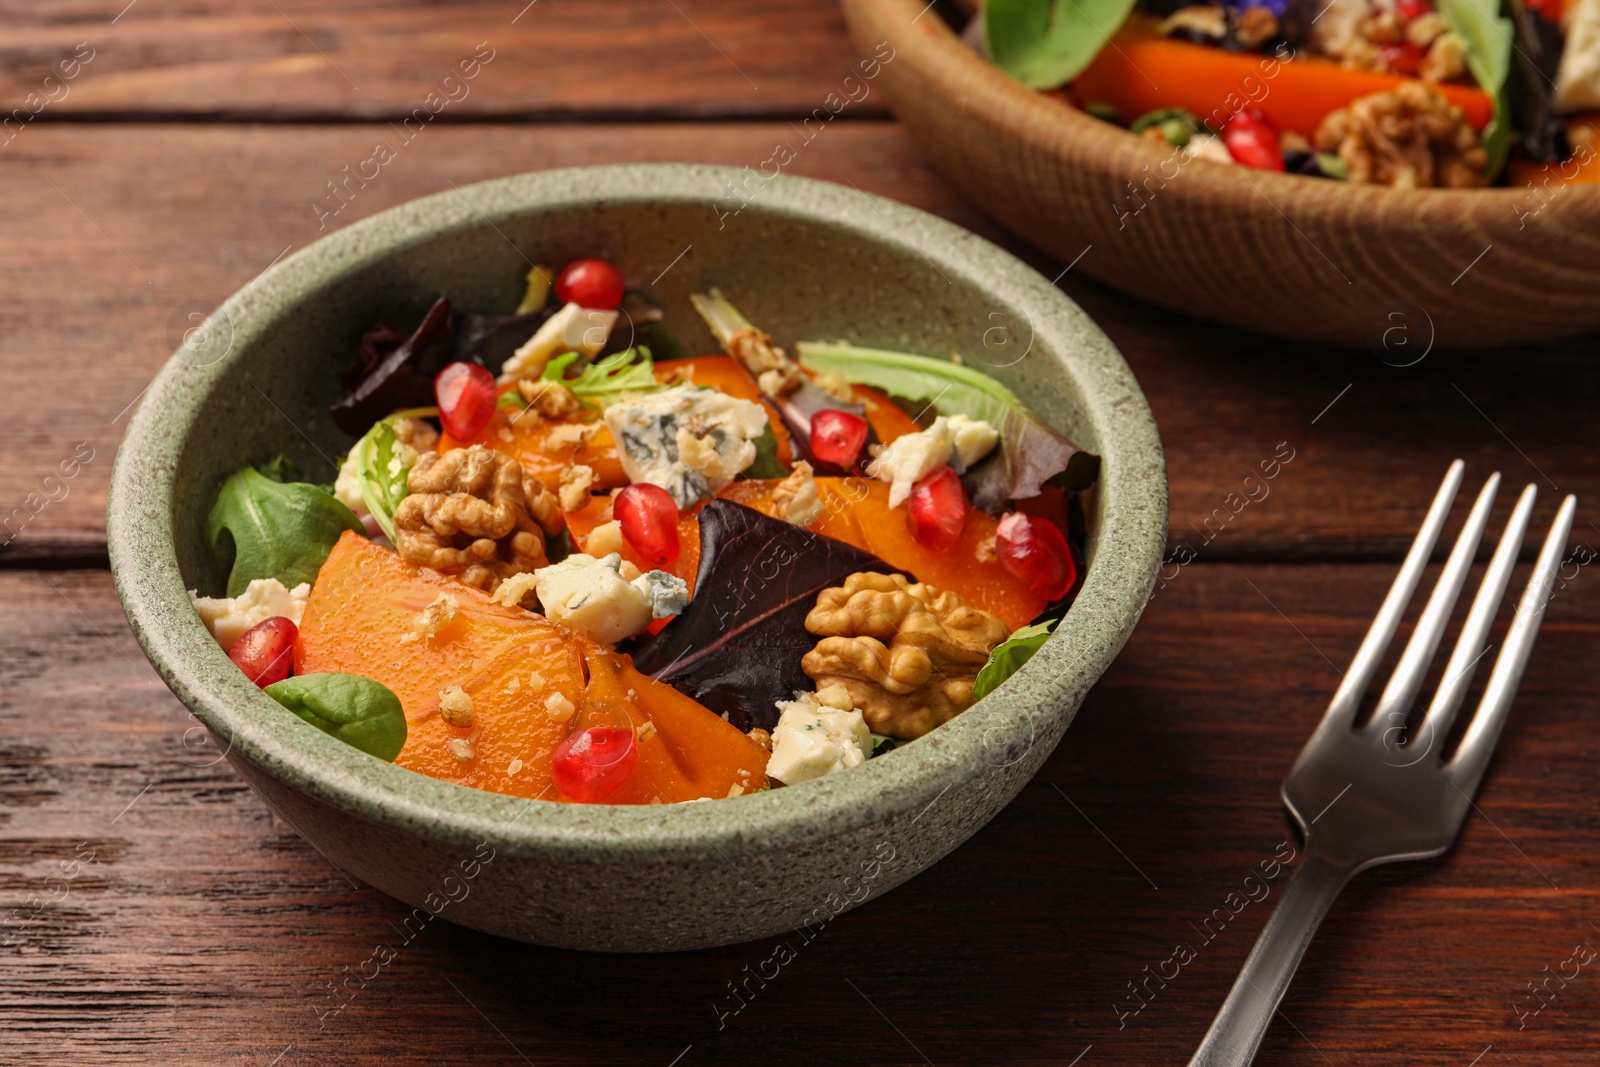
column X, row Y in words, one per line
column 803, row 259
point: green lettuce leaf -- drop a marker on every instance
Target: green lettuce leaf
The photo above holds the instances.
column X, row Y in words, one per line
column 261, row 528
column 603, row 383
column 1009, row 656
column 1487, row 37
column 1046, row 43
column 1030, row 453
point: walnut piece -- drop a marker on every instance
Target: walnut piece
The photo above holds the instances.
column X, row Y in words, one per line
column 1410, row 137
column 1256, row 26
column 795, row 498
column 474, row 513
column 777, row 374
column 1446, row 59
column 908, row 654
column 575, row 482
column 549, row 399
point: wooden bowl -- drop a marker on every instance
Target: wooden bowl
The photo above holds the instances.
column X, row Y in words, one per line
column 1295, row 257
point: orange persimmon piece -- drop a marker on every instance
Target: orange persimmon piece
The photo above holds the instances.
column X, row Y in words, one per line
column 527, row 437
column 885, row 417
column 1296, row 94
column 690, row 753
column 521, row 673
column 364, row 603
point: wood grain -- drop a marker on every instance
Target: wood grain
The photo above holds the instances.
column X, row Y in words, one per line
column 205, row 931
column 1300, row 259
column 114, row 231
column 294, row 59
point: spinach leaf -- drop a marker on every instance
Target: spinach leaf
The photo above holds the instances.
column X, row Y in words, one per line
column 1046, row 43
column 1009, row 656
column 603, row 383
column 356, row 710
column 1487, row 37
column 260, row 528
column 1030, row 453
column 882, row 743
column 737, row 647
column 767, row 464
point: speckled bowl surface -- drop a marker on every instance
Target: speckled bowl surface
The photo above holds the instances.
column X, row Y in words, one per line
column 804, row 259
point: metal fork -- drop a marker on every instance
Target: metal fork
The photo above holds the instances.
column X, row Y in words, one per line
column 1365, row 796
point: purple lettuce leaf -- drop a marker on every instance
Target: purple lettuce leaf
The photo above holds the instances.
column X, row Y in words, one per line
column 737, row 647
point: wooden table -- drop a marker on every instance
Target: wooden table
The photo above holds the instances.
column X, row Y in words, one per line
column 156, row 911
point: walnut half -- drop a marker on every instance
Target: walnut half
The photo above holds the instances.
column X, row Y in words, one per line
column 474, row 513
column 1411, row 137
column 909, row 654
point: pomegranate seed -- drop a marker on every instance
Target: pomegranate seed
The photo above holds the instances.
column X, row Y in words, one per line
column 1405, row 58
column 649, row 518
column 1036, row 551
column 590, row 283
column 1252, row 141
column 467, row 399
column 1413, row 9
column 590, row 764
column 937, row 510
column 837, row 437
column 265, row 652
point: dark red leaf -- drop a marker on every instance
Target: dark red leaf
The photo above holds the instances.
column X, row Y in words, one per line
column 404, row 378
column 737, row 647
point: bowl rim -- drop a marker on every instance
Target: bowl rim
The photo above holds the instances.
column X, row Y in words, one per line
column 939, row 53
column 996, row 732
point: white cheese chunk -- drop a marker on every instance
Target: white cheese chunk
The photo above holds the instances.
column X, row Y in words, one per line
column 229, row 617
column 817, row 734
column 591, row 596
column 690, row 442
column 957, row 441
column 1578, row 76
column 971, row 440
column 347, row 487
column 1208, row 146
column 572, row 329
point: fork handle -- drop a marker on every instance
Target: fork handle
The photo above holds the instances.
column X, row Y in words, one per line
column 1241, row 1024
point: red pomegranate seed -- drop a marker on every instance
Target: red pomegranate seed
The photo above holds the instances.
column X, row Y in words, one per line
column 590, row 764
column 1413, row 9
column 1036, row 551
column 837, row 437
column 937, row 510
column 1252, row 141
column 265, row 652
column 467, row 399
column 1404, row 58
column 590, row 283
column 649, row 518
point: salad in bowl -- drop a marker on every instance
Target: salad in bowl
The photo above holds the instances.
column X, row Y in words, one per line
column 566, row 560
column 1455, row 94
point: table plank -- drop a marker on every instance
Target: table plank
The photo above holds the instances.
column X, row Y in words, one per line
column 205, row 930
column 113, row 228
column 292, row 59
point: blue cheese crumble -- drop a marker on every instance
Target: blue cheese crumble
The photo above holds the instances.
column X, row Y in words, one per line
column 817, row 734
column 690, row 442
column 591, row 596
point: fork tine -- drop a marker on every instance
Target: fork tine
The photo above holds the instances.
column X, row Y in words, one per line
column 1342, row 708
column 1470, row 646
column 1413, row 665
column 1473, row 756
